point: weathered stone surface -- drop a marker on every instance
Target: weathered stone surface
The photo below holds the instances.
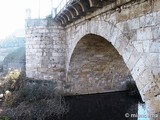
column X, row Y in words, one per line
column 45, row 53
column 153, row 105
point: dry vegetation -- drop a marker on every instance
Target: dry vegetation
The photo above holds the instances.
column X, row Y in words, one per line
column 22, row 101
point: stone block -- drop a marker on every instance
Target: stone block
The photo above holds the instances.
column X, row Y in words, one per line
column 154, row 46
column 150, row 19
column 154, row 59
column 120, row 25
column 126, row 52
column 134, row 23
column 114, row 35
column 157, row 19
column 134, row 57
column 156, row 75
column 144, row 33
column 138, row 68
column 156, row 32
column 153, row 106
column 131, row 35
column 142, row 46
column 127, row 26
column 150, row 91
column 121, row 43
column 146, row 77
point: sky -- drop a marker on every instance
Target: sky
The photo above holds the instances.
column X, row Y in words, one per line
column 13, row 13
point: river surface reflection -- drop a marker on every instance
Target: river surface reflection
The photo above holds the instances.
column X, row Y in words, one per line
column 103, row 106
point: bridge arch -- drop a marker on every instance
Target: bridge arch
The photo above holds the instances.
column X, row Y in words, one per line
column 136, row 61
column 105, row 29
column 96, row 67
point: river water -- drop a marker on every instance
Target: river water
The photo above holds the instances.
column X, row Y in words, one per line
column 104, row 106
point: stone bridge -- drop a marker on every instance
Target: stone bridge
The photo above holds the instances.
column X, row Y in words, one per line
column 95, row 46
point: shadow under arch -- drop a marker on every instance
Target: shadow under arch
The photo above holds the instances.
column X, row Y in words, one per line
column 96, row 67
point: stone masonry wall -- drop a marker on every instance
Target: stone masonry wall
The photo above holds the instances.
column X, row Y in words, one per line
column 45, row 51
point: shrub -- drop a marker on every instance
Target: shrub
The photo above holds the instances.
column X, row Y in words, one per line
column 31, row 93
column 12, row 81
column 35, row 102
column 40, row 110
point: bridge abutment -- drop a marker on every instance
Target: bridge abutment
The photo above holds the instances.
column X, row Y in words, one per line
column 45, row 51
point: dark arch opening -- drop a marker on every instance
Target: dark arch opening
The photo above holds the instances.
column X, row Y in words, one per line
column 97, row 67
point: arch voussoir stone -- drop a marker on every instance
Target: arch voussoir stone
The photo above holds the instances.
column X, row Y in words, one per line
column 114, row 35
column 133, row 59
column 121, row 43
column 126, row 52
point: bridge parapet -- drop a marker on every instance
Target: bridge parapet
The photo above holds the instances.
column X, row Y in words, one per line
column 70, row 10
